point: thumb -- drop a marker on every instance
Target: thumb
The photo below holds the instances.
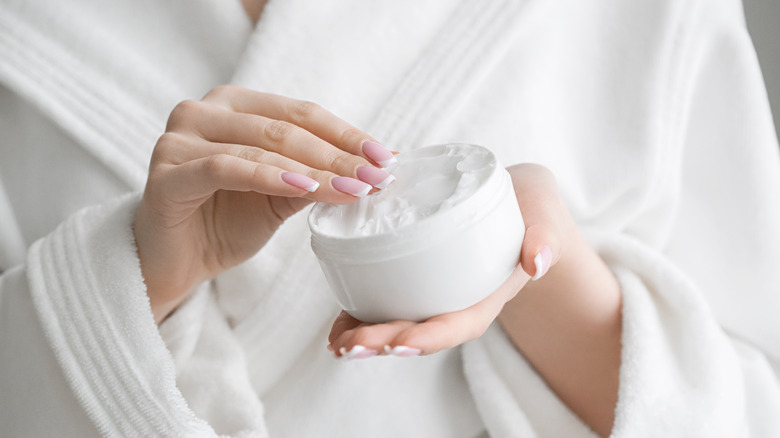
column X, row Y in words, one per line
column 544, row 215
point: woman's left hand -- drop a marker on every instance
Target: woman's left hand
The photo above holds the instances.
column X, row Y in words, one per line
column 568, row 325
column 548, row 228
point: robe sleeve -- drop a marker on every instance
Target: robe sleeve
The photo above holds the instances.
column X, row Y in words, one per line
column 701, row 336
column 80, row 352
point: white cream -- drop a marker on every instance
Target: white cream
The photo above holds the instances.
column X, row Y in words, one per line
column 442, row 237
column 427, row 184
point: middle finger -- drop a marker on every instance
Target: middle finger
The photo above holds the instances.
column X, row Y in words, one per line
column 284, row 138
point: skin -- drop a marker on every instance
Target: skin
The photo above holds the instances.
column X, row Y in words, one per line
column 254, row 8
column 567, row 323
column 215, row 196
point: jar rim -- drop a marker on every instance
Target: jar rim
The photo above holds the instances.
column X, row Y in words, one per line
column 425, row 232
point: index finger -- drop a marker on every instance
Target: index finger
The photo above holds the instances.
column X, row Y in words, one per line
column 307, row 115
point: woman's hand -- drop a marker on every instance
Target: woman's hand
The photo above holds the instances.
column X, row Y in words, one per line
column 548, row 228
column 229, row 170
column 567, row 322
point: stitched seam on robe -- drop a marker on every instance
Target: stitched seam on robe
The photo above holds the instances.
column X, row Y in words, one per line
column 477, row 32
column 110, row 129
column 107, row 385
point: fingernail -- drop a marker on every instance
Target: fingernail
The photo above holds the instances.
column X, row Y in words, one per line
column 402, row 351
column 357, row 352
column 374, row 176
column 543, row 260
column 300, row 181
column 378, row 153
column 350, row 186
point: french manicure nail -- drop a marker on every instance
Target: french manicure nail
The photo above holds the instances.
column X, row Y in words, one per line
column 402, row 351
column 357, row 352
column 350, row 186
column 378, row 153
column 300, row 181
column 543, row 260
column 374, row 176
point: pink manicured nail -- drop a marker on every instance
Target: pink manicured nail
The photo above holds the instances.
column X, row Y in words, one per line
column 402, row 351
column 357, row 352
column 374, row 176
column 378, row 153
column 543, row 260
column 350, row 186
column 300, row 181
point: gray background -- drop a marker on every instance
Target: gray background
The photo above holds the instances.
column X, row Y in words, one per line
column 763, row 18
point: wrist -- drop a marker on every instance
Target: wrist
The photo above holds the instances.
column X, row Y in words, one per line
column 168, row 277
column 568, row 325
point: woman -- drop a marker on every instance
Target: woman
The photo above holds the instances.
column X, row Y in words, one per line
column 639, row 324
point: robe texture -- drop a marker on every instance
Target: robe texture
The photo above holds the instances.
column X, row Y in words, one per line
column 652, row 115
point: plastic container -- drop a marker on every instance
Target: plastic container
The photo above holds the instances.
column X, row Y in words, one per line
column 441, row 238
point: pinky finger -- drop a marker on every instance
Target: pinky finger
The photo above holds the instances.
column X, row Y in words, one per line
column 202, row 177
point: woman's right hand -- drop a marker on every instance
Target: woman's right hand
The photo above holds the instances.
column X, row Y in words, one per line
column 229, row 170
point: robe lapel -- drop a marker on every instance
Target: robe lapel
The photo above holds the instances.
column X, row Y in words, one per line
column 383, row 67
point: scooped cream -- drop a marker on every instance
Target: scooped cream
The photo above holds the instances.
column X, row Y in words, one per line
column 428, row 182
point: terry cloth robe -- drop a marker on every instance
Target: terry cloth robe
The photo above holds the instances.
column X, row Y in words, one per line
column 652, row 115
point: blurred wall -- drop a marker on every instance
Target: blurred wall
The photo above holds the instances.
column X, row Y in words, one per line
column 763, row 19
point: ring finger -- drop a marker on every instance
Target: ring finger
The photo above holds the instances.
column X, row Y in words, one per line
column 287, row 139
column 329, row 187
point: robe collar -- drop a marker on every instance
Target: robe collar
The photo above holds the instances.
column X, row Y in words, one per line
column 387, row 67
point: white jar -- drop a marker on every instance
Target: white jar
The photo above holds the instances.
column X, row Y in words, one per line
column 441, row 238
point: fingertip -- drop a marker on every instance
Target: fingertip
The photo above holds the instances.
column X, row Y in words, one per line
column 351, row 186
column 538, row 253
column 542, row 262
column 402, row 351
column 378, row 153
column 300, row 181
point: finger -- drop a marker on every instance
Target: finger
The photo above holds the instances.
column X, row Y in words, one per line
column 543, row 212
column 178, row 149
column 290, row 141
column 366, row 339
column 343, row 322
column 451, row 329
column 198, row 179
column 408, row 338
column 308, row 115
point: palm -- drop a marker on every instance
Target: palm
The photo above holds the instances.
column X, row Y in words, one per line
column 232, row 226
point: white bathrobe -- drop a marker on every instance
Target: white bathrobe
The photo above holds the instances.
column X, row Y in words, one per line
column 652, row 115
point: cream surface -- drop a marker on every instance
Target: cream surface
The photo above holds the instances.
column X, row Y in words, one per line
column 429, row 181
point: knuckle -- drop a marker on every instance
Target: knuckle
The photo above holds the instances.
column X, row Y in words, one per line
column 343, row 161
column 222, row 92
column 351, row 136
column 277, row 131
column 184, row 111
column 166, row 146
column 170, row 140
column 252, row 154
column 302, row 109
column 214, row 164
